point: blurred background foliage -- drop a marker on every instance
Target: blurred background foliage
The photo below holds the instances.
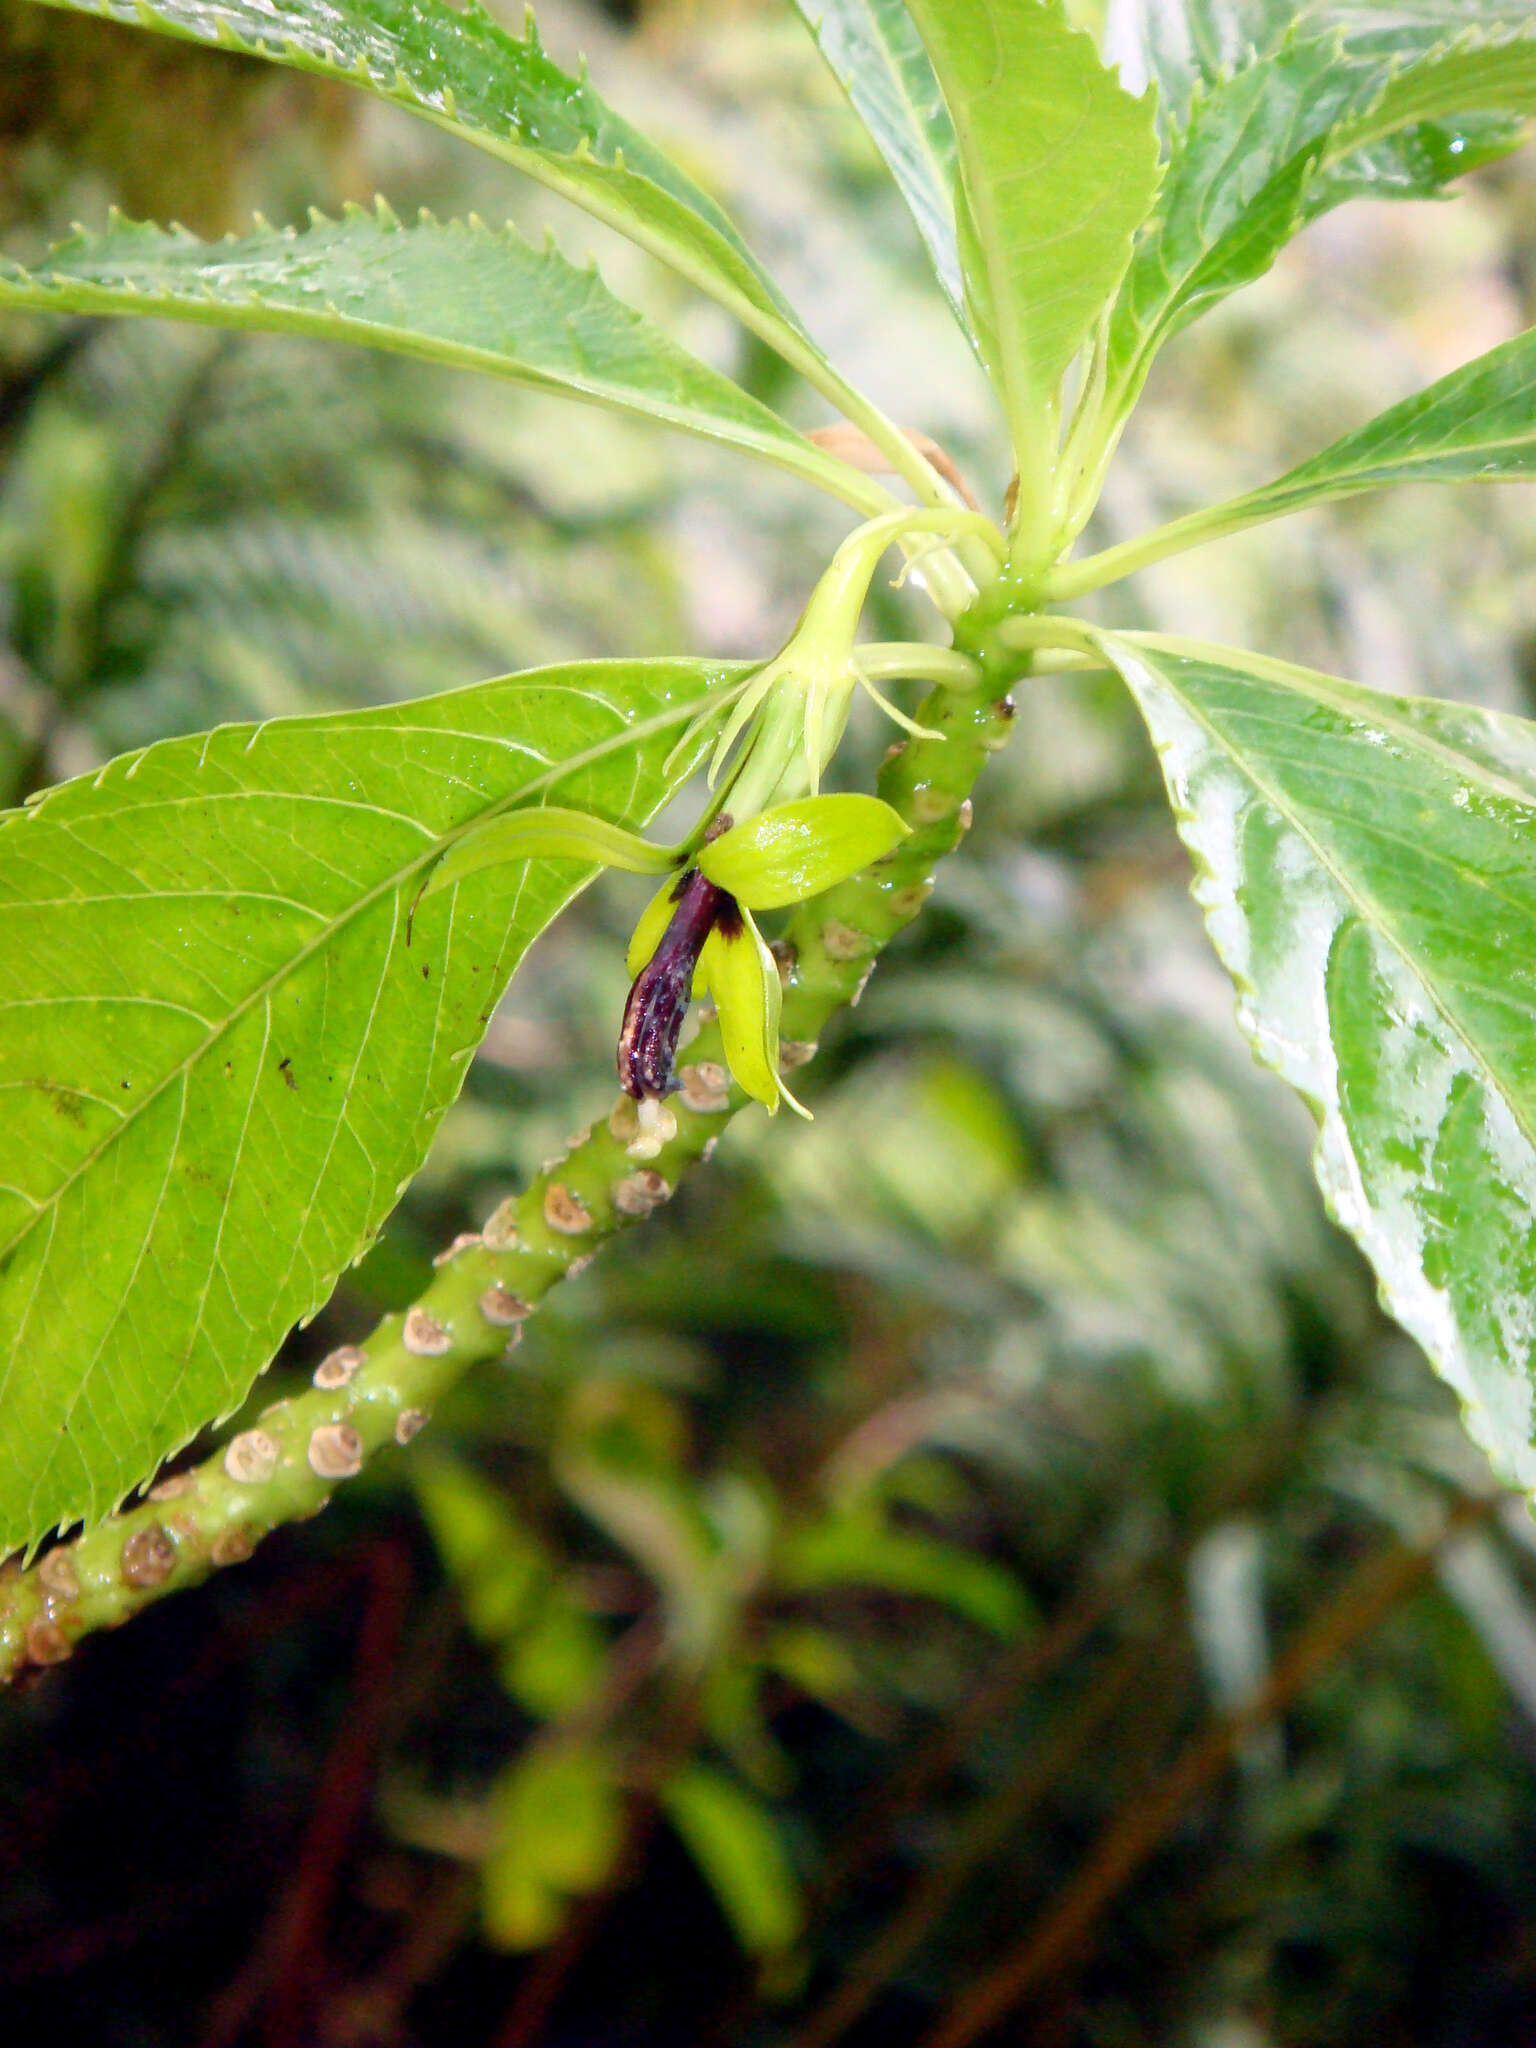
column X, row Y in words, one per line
column 847, row 1593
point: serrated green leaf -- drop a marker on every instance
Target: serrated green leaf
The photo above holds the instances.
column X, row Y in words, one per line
column 457, row 294
column 1058, row 168
column 1181, row 44
column 1296, row 133
column 459, row 68
column 225, row 1042
column 1478, row 425
column 877, row 57
column 732, row 1837
column 456, row 66
column 1367, row 868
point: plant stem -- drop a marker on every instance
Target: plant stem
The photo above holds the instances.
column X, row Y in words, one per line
column 1368, row 1596
column 368, row 1396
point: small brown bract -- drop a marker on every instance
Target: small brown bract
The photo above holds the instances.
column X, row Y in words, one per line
column 641, row 1192
column 47, row 1643
column 408, row 1423
column 842, row 941
column 465, row 1241
column 149, row 1557
column 501, row 1307
column 965, row 815
column 57, row 1576
column 501, row 1233
column 338, row 1366
column 706, row 1087
column 423, row 1335
column 795, row 1052
column 335, row 1451
column 566, row 1212
column 251, row 1458
column 232, row 1546
column 173, row 1486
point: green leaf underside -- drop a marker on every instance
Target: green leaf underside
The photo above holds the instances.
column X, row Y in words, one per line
column 1058, row 170
column 458, row 294
column 1367, row 869
column 225, row 1041
column 1294, row 134
column 877, row 57
column 459, row 68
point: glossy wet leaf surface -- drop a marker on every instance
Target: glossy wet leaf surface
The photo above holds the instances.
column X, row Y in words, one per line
column 453, row 293
column 1058, row 168
column 457, row 66
column 1293, row 134
column 874, row 51
column 227, row 1037
column 1367, row 867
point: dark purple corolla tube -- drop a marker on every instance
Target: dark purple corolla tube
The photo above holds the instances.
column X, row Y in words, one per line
column 658, row 1002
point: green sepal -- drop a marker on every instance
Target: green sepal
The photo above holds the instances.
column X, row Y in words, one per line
column 550, row 833
column 797, row 850
column 743, row 978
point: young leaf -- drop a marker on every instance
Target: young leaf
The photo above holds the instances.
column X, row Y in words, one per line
column 1178, row 45
column 225, row 1040
column 1058, row 168
column 877, row 57
column 1367, row 868
column 1280, row 143
column 457, row 294
column 456, row 66
column 1478, row 425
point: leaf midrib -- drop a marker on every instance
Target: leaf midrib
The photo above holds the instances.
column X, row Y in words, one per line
column 1338, row 482
column 262, row 991
column 1365, row 905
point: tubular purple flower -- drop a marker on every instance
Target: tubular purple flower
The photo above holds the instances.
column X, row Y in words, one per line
column 658, row 1001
